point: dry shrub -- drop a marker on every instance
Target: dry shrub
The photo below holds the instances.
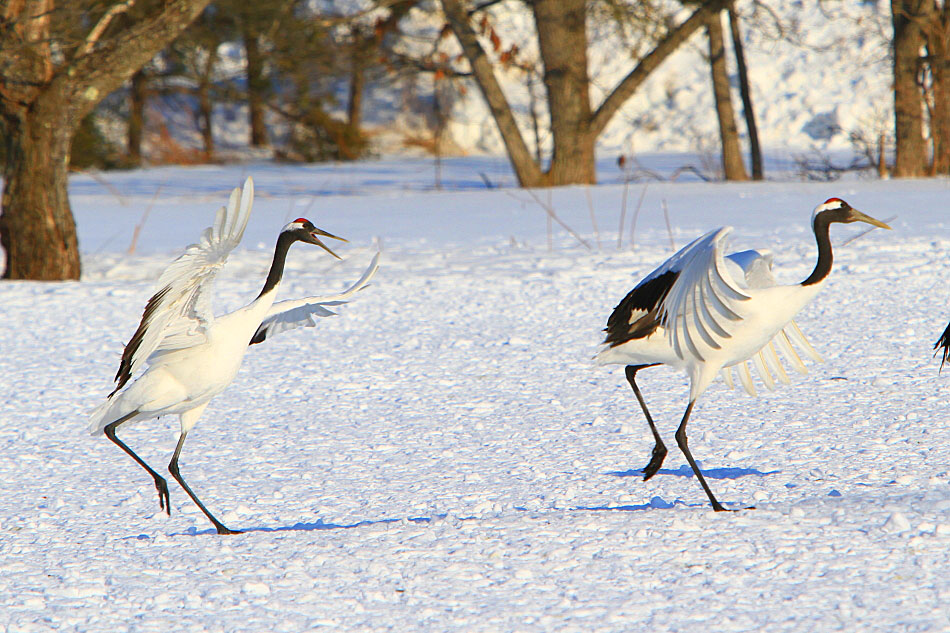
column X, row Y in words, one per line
column 167, row 151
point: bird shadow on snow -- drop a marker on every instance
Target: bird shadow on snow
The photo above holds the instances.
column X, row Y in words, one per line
column 686, row 471
column 305, row 526
column 656, row 503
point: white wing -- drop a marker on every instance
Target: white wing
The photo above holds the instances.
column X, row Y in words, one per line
column 752, row 268
column 294, row 313
column 179, row 313
column 756, row 271
column 791, row 342
column 703, row 304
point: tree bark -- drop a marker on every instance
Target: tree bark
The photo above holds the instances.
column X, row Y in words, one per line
column 940, row 125
column 256, row 86
column 41, row 105
column 137, row 101
column 37, row 230
column 745, row 92
column 562, row 39
column 732, row 165
column 911, row 153
column 937, row 33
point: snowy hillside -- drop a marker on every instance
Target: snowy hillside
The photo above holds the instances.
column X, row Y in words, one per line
column 444, row 456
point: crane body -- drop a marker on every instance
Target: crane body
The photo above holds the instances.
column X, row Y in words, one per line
column 181, row 356
column 706, row 313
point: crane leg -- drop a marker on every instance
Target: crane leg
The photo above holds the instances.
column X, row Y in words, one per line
column 173, row 469
column 659, row 448
column 681, row 441
column 160, row 484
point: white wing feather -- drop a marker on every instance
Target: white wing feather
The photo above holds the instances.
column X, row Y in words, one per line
column 294, row 313
column 703, row 303
column 756, row 272
column 180, row 312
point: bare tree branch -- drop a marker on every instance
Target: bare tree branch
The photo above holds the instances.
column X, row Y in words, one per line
column 494, row 96
column 629, row 85
column 96, row 32
column 88, row 78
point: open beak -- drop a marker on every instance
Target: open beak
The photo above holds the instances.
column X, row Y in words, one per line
column 316, row 240
column 866, row 218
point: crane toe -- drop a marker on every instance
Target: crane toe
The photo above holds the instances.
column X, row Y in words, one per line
column 164, row 502
column 719, row 508
column 659, row 454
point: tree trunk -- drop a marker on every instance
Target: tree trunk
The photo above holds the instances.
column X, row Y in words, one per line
column 137, row 101
column 732, row 165
column 745, row 92
column 911, row 153
column 206, row 105
column 562, row 39
column 41, row 105
column 256, row 87
column 205, row 118
column 37, row 230
column 940, row 125
column 354, row 106
column 527, row 171
column 937, row 32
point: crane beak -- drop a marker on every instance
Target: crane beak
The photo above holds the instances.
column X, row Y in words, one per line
column 316, row 240
column 861, row 217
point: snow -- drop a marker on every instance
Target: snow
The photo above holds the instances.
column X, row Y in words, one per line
column 444, row 455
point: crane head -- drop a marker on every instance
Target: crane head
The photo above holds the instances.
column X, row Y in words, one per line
column 837, row 210
column 303, row 230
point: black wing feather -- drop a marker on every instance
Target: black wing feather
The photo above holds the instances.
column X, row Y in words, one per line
column 259, row 336
column 944, row 342
column 646, row 297
column 125, row 365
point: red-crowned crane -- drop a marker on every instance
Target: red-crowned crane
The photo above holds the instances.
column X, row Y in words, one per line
column 189, row 355
column 704, row 313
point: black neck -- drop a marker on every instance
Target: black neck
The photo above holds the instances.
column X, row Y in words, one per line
column 277, row 266
column 825, row 258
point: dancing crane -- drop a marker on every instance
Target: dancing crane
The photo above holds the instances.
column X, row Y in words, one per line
column 191, row 356
column 704, row 313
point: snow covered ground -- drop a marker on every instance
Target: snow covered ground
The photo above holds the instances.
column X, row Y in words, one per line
column 444, row 456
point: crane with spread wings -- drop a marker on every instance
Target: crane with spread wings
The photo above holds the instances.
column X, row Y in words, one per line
column 706, row 313
column 181, row 355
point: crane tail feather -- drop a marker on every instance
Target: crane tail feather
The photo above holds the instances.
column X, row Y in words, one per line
column 742, row 369
column 727, row 377
column 798, row 337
